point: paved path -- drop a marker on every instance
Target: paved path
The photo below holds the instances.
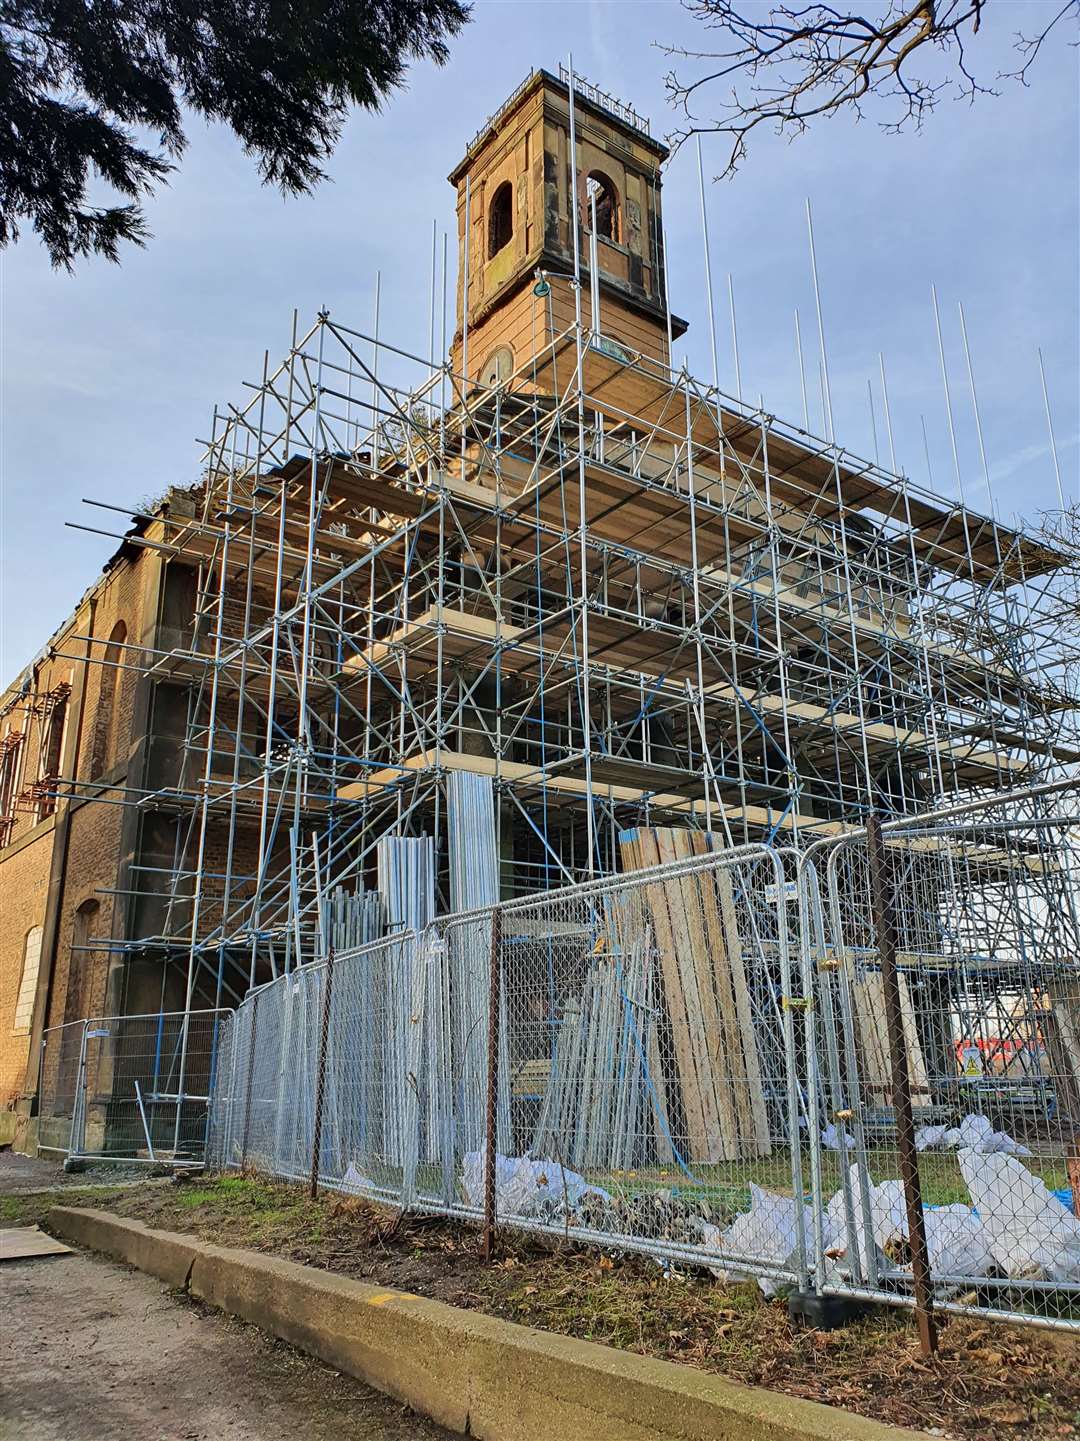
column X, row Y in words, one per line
column 92, row 1352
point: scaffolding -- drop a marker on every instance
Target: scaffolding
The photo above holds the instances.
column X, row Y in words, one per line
column 622, row 596
column 616, row 591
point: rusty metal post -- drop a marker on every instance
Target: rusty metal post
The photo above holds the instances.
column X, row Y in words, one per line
column 250, row 1080
column 885, row 938
column 320, row 1083
column 492, row 1106
column 1072, row 1171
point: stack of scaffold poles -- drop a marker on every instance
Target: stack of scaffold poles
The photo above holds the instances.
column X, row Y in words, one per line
column 356, row 918
column 658, row 1059
column 605, row 1104
column 474, row 883
column 406, row 878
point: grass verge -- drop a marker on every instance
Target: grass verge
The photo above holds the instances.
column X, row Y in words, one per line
column 988, row 1381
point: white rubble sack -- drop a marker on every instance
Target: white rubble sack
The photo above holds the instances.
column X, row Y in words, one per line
column 830, row 1138
column 977, row 1134
column 522, row 1183
column 888, row 1218
column 355, row 1180
column 957, row 1242
column 931, row 1138
column 1029, row 1231
column 766, row 1232
column 974, row 1132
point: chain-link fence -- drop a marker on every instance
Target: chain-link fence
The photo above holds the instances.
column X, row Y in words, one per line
column 748, row 1059
column 58, row 1087
column 637, row 1084
column 980, row 911
column 134, row 1088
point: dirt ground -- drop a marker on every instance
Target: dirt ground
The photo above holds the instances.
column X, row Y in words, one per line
column 988, row 1382
column 20, row 1175
column 94, row 1351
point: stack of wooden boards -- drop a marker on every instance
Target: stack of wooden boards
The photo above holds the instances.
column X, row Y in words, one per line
column 872, row 1038
column 714, row 1028
column 656, row 1058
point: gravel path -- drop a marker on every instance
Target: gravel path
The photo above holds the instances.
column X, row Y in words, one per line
column 93, row 1352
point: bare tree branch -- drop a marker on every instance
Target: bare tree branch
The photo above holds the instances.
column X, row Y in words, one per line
column 1029, row 45
column 787, row 65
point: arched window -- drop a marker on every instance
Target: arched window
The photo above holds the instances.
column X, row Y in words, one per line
column 52, row 752
column 108, row 707
column 500, row 218
column 80, row 978
column 11, row 751
column 24, row 1005
column 607, row 206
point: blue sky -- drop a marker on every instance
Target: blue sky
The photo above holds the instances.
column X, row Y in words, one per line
column 109, row 376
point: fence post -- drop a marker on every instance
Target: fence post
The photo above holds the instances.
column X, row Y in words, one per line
column 320, row 1083
column 492, row 1106
column 78, row 1105
column 1072, row 1172
column 250, row 1080
column 35, row 1108
column 885, row 938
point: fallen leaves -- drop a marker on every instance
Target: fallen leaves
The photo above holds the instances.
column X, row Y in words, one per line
column 987, row 1383
column 1005, row 1415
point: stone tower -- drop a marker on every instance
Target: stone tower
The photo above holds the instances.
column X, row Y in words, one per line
column 514, row 182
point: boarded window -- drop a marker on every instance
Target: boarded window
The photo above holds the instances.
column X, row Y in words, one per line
column 24, row 1005
column 52, row 754
column 81, row 963
column 11, row 752
column 107, row 719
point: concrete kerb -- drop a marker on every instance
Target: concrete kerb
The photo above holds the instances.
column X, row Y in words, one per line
column 472, row 1373
column 163, row 1254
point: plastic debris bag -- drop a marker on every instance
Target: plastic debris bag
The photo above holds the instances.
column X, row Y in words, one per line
column 888, row 1219
column 975, row 1132
column 956, row 1242
column 767, row 1232
column 1029, row 1231
column 355, row 1180
column 830, row 1138
column 522, row 1184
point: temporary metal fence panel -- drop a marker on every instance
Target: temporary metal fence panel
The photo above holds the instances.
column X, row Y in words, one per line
column 639, row 1085
column 330, row 1046
column 59, row 1084
column 647, row 1062
column 141, row 1086
column 692, row 1060
column 986, row 919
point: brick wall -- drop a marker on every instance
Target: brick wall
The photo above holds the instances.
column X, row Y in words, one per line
column 103, row 759
column 24, row 884
column 80, row 979
column 39, row 707
column 122, row 602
